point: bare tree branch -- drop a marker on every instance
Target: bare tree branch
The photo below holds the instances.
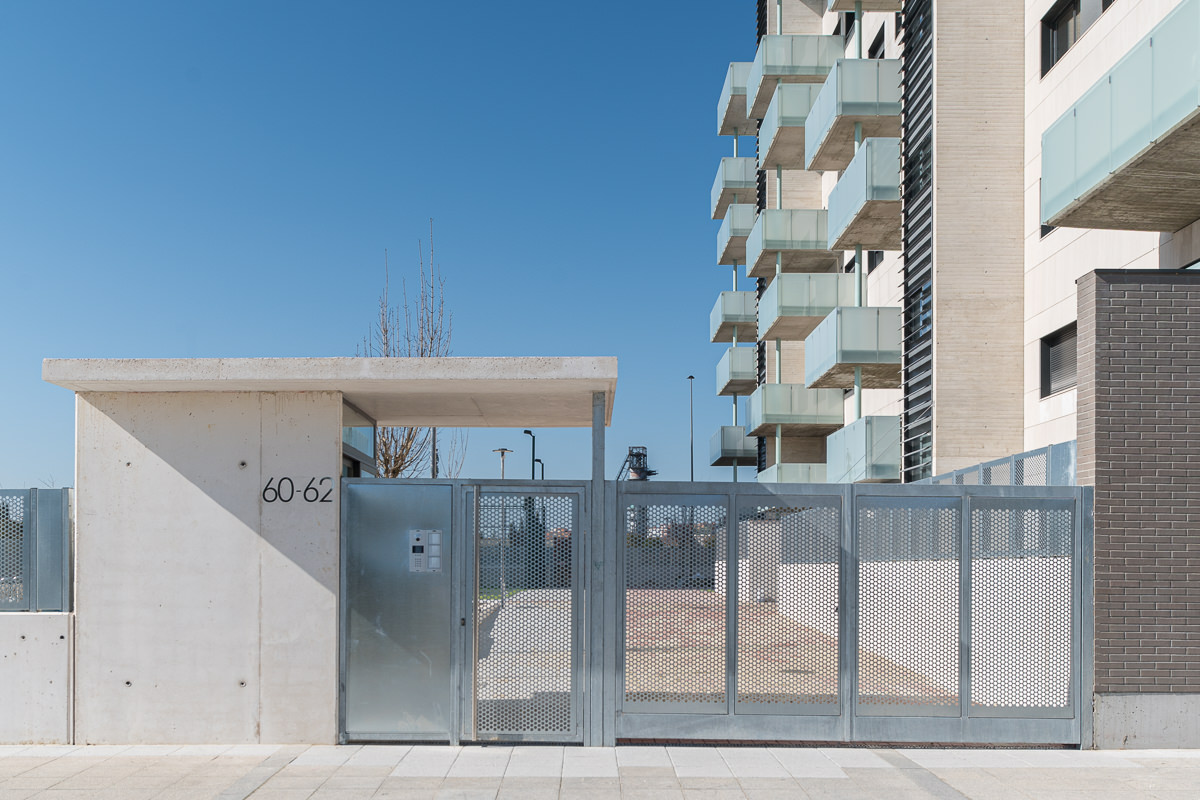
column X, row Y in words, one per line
column 415, row 329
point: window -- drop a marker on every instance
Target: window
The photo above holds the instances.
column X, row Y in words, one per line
column 874, row 259
column 1047, row 230
column 876, row 49
column 846, row 25
column 1060, row 30
column 1059, row 360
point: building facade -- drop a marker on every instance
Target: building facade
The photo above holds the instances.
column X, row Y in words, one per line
column 1025, row 209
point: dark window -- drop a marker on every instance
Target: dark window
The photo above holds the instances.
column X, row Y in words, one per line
column 1059, row 360
column 876, row 49
column 1060, row 30
column 1047, row 230
column 874, row 259
column 846, row 24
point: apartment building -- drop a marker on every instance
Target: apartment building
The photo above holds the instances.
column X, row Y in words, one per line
column 970, row 230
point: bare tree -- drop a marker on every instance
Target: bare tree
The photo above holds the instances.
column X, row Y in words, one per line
column 415, row 329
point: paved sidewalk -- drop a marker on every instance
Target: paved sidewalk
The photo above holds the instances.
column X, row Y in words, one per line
column 533, row 773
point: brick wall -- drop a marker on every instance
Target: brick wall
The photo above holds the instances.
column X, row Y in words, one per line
column 1139, row 445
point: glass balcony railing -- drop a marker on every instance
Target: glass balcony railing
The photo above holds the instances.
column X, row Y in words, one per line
column 865, row 451
column 737, row 371
column 731, row 108
column 799, row 410
column 793, row 473
column 792, row 305
column 731, row 237
column 798, row 237
column 781, row 137
column 864, row 206
column 1113, row 159
column 867, row 5
column 788, row 59
column 849, row 338
column 737, row 180
column 734, row 310
column 863, row 92
column 730, row 443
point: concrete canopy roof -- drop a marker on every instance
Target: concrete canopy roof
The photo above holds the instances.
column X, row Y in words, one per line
column 442, row 392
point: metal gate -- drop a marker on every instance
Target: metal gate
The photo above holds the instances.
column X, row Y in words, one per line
column 462, row 611
column 528, row 614
column 719, row 611
column 852, row 613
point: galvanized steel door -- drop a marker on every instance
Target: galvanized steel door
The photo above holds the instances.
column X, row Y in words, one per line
column 526, row 653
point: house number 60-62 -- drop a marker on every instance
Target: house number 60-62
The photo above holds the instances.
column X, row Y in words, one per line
column 283, row 490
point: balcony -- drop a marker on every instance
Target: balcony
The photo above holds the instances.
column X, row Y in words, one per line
column 1126, row 156
column 793, row 473
column 737, row 371
column 734, row 310
column 864, row 207
column 863, row 92
column 735, row 227
column 729, row 444
column 793, row 305
column 737, row 179
column 849, row 338
column 800, row 236
column 731, row 108
column 788, row 59
column 801, row 411
column 781, row 137
column 865, row 451
column 867, row 5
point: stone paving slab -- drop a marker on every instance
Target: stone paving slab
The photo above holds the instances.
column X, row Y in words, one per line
column 499, row 772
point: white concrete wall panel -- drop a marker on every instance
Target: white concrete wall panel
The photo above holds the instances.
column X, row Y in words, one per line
column 199, row 606
column 1053, row 263
column 35, row 678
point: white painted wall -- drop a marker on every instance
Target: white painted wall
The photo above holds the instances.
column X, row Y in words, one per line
column 1054, row 263
column 205, row 614
column 35, row 678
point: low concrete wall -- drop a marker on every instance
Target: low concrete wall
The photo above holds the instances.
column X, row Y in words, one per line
column 1137, row 721
column 35, row 678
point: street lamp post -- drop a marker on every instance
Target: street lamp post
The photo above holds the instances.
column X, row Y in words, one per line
column 692, row 426
column 543, row 464
column 532, row 456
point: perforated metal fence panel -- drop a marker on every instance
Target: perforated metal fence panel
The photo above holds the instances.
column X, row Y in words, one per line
column 675, row 605
column 908, row 606
column 35, row 549
column 13, row 550
column 787, row 604
column 526, row 615
column 1022, row 614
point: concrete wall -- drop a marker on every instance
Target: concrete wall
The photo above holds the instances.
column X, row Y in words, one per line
column 204, row 613
column 1139, row 433
column 35, row 678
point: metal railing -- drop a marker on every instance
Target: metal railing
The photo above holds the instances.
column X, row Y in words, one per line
column 1053, row 465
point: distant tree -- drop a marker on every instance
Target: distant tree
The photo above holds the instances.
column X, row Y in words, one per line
column 417, row 329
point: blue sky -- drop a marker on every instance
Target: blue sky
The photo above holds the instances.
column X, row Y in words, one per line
column 222, row 178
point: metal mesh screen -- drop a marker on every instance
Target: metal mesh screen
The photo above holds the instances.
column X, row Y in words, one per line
column 524, row 614
column 1033, row 470
column 908, row 604
column 787, row 623
column 1021, row 620
column 12, row 550
column 674, row 650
